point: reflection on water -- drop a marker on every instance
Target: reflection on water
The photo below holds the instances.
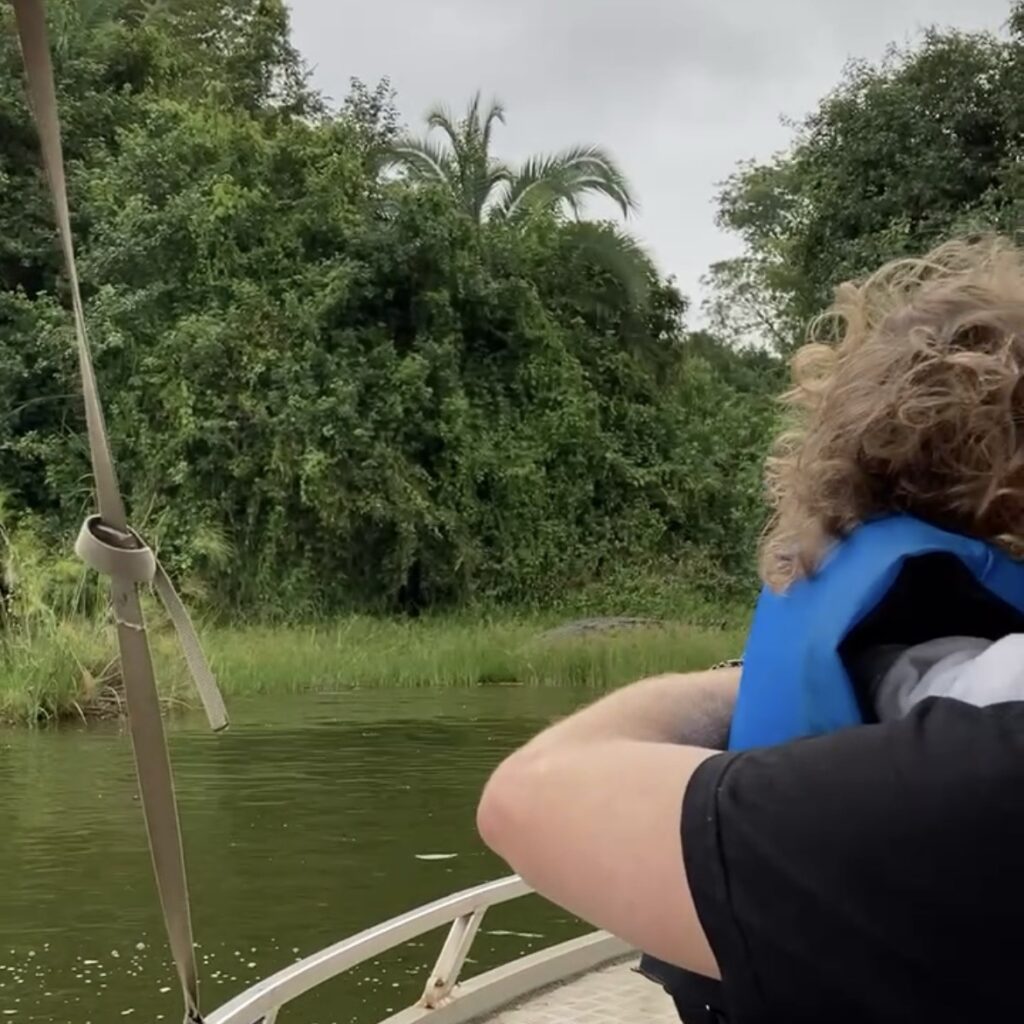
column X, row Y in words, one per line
column 309, row 820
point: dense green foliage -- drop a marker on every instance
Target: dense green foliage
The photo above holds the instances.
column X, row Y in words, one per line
column 902, row 155
column 333, row 387
column 329, row 389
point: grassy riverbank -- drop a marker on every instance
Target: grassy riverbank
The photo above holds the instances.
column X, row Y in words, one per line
column 67, row 671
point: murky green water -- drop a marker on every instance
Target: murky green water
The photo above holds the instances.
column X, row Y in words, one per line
column 306, row 822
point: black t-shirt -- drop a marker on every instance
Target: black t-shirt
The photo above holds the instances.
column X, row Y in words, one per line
column 872, row 876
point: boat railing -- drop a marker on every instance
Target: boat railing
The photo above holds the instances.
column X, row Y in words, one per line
column 444, row 1000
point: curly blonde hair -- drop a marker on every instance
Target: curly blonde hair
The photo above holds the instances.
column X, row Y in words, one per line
column 907, row 398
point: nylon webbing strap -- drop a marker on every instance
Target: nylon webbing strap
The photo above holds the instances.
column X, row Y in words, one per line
column 110, row 546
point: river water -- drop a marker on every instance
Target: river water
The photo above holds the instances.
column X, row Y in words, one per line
column 310, row 819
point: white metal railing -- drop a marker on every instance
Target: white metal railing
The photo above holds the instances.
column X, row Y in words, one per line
column 261, row 1003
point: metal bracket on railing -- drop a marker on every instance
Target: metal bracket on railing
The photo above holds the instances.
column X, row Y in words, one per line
column 445, row 975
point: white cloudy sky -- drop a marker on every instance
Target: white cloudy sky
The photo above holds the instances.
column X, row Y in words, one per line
column 679, row 90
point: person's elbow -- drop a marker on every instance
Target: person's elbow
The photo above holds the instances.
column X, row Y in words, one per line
column 503, row 813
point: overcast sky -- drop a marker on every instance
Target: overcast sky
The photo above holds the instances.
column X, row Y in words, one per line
column 678, row 90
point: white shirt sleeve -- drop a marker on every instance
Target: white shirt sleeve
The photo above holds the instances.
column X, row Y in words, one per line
column 968, row 669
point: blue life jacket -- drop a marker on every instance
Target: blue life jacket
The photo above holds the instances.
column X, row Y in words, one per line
column 795, row 681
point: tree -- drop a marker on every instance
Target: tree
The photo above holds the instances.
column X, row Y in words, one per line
column 365, row 394
column 486, row 187
column 375, row 113
column 900, row 155
column 489, row 189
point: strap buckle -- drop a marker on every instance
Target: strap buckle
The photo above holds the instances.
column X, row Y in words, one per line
column 119, row 554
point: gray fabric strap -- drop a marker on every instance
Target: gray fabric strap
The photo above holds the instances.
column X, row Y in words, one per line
column 110, row 546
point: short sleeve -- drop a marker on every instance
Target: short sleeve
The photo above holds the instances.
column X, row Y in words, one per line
column 874, row 875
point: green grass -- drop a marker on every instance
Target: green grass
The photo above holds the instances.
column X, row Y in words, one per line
column 444, row 652
column 65, row 671
column 54, row 673
column 58, row 652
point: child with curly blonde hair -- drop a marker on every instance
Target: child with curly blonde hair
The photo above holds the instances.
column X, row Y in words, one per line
column 891, row 560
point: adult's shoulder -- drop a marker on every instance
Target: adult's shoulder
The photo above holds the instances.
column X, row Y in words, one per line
column 875, row 871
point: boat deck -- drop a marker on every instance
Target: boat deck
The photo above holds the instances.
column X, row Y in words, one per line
column 614, row 994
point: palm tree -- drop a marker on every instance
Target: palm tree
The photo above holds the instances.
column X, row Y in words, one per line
column 488, row 189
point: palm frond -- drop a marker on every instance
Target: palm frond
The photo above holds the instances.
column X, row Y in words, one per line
column 542, row 182
column 474, row 174
column 495, row 115
column 421, row 159
column 566, row 178
column 457, row 132
column 489, row 179
column 477, row 125
column 440, row 118
column 485, row 187
column 531, row 187
column 591, row 169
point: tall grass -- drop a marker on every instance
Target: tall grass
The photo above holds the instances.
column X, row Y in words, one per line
column 452, row 652
column 55, row 653
column 71, row 671
column 58, row 653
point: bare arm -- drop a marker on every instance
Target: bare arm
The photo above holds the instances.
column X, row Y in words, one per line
column 589, row 811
